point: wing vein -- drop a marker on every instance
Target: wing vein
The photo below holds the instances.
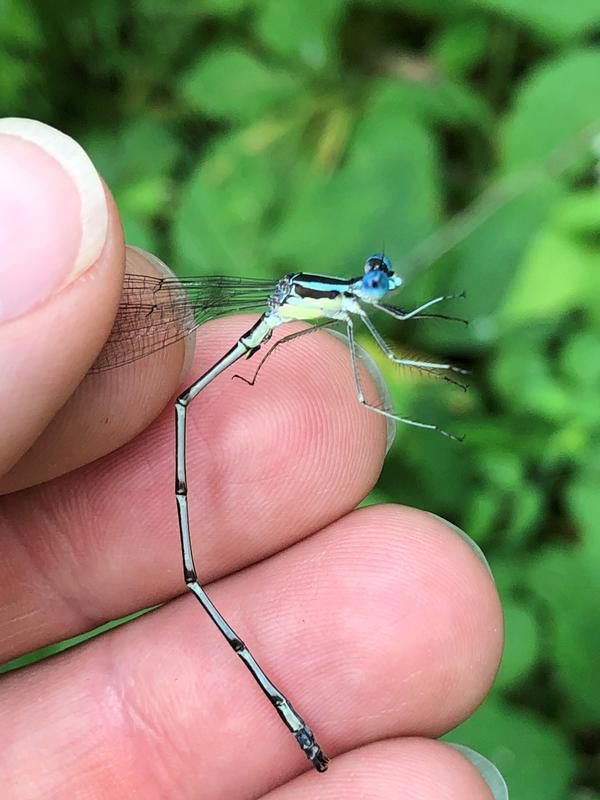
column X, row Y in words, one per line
column 157, row 312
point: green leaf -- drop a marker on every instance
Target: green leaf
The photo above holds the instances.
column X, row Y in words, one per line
column 506, row 500
column 19, row 81
column 526, row 512
column 580, row 359
column 219, row 224
column 460, row 47
column 408, row 474
column 483, row 509
column 138, row 230
column 427, row 8
column 221, row 7
column 584, row 502
column 134, row 153
column 433, row 99
column 579, row 212
column 521, row 645
column 302, row 30
column 20, row 26
column 384, row 195
column 530, row 752
column 232, row 83
column 566, row 580
column 553, row 279
column 553, row 19
column 487, row 262
column 522, row 377
column 547, row 114
column 502, row 469
column 22, row 80
column 510, row 573
column 136, row 162
column 44, row 652
column 554, row 104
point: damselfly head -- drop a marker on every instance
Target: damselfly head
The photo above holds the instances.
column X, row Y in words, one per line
column 379, row 278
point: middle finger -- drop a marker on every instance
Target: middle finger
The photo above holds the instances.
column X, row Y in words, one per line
column 384, row 624
column 267, row 465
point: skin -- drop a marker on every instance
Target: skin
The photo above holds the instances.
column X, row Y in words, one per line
column 380, row 624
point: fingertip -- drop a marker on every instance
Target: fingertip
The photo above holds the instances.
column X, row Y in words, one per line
column 54, row 209
column 106, row 409
column 46, row 350
column 486, row 768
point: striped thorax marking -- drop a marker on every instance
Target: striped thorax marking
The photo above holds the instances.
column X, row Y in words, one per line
column 304, row 297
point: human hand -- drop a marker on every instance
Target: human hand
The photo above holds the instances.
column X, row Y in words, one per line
column 381, row 624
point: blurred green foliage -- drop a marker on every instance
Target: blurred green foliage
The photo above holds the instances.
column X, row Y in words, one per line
column 257, row 137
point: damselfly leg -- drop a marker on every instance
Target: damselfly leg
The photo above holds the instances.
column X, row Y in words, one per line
column 296, row 335
column 383, row 411
column 397, row 313
column 425, row 366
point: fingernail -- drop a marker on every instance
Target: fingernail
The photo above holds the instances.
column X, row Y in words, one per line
column 132, row 264
column 53, row 211
column 378, row 380
column 472, row 544
column 488, row 771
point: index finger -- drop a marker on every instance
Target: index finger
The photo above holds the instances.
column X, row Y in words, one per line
column 106, row 410
column 266, row 466
column 60, row 276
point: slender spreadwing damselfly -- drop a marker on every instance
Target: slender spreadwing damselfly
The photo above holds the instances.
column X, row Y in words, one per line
column 155, row 312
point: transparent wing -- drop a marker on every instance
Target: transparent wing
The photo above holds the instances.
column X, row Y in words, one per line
column 156, row 312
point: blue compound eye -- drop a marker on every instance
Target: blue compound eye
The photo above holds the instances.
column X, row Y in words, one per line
column 376, row 283
column 378, row 262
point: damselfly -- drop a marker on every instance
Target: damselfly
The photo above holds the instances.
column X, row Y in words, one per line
column 156, row 312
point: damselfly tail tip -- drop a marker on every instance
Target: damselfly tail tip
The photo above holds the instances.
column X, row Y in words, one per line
column 320, row 761
column 313, row 752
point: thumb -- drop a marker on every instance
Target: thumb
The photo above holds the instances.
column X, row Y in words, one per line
column 61, row 265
